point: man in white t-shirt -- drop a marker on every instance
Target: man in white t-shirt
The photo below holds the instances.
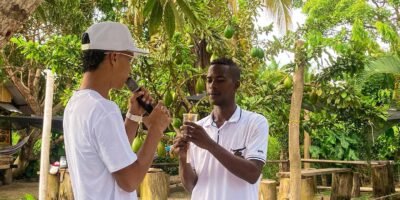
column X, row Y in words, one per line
column 227, row 148
column 97, row 140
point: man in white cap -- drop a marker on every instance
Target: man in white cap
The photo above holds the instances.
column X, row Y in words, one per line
column 97, row 142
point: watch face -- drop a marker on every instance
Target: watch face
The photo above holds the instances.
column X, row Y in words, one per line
column 132, row 85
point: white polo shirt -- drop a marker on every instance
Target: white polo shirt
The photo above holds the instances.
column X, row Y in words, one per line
column 246, row 133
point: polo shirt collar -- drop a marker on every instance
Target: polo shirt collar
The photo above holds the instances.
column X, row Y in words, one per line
column 233, row 119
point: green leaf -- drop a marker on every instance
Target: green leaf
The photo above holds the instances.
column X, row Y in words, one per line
column 315, row 151
column 155, row 18
column 352, row 155
column 344, row 143
column 170, row 134
column 148, row 7
column 339, row 152
column 187, row 11
column 169, row 19
column 344, row 95
column 319, row 92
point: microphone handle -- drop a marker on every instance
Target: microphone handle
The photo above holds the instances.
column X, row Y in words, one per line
column 133, row 86
column 147, row 107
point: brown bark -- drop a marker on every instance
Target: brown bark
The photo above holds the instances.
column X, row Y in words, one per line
column 26, row 153
column 65, row 191
column 25, row 91
column 382, row 180
column 203, row 56
column 342, row 184
column 284, row 185
column 267, row 190
column 308, row 188
column 53, row 185
column 355, row 192
column 155, row 186
column 13, row 13
column 294, row 123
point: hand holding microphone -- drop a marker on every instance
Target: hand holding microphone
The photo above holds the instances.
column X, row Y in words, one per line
column 140, row 100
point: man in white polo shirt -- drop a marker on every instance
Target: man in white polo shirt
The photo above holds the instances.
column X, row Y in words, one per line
column 97, row 140
column 227, row 148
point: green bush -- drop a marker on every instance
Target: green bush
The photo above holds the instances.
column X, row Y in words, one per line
column 269, row 171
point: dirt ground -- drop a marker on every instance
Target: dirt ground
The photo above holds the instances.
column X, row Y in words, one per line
column 18, row 189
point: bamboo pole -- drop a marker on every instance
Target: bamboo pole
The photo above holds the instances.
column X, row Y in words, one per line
column 46, row 134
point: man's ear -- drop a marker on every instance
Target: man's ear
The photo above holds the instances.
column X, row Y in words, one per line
column 112, row 58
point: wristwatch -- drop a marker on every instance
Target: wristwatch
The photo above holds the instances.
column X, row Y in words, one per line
column 135, row 118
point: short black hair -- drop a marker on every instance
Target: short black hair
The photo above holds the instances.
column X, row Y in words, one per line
column 233, row 67
column 91, row 59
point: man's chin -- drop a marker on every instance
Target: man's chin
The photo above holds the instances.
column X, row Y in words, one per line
column 214, row 102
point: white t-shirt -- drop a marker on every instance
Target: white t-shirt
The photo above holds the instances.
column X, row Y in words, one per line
column 246, row 133
column 96, row 145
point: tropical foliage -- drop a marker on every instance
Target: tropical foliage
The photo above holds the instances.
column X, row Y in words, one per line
column 350, row 79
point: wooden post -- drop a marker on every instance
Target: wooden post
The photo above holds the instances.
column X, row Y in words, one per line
column 155, row 185
column 307, row 142
column 53, row 185
column 342, row 184
column 308, row 188
column 382, row 180
column 355, row 192
column 267, row 190
column 324, row 180
column 46, row 135
column 284, row 166
column 65, row 192
column 284, row 184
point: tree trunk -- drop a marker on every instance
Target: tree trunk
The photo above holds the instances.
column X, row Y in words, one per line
column 13, row 13
column 294, row 123
column 355, row 192
column 284, row 189
column 203, row 57
column 53, row 184
column 65, row 191
column 342, row 184
column 267, row 190
column 155, row 185
column 308, row 188
column 382, row 180
column 26, row 153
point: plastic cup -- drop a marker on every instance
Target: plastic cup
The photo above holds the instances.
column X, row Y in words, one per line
column 189, row 117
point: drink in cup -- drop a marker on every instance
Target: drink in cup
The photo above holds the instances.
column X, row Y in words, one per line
column 189, row 117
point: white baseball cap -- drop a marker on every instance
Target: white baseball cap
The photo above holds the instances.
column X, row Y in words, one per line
column 110, row 36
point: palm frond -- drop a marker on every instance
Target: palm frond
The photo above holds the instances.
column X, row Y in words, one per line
column 388, row 64
column 281, row 11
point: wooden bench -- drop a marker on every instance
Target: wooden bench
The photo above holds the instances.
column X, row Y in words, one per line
column 315, row 172
column 342, row 183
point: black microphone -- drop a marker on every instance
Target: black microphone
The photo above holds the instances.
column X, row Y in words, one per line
column 134, row 87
